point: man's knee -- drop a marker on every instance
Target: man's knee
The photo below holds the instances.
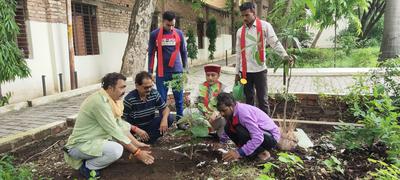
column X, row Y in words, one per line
column 170, row 120
column 113, row 151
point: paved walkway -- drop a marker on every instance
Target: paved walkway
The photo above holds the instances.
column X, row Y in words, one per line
column 30, row 118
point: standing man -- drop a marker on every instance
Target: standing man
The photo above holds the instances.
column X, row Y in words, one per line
column 168, row 44
column 251, row 70
column 100, row 135
column 140, row 106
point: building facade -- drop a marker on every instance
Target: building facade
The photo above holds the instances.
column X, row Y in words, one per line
column 100, row 29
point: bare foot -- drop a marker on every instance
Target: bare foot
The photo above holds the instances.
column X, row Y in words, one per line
column 264, row 155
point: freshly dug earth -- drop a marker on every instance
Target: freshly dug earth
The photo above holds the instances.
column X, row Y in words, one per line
column 201, row 161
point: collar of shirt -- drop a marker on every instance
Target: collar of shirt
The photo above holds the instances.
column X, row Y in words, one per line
column 138, row 96
column 235, row 109
column 253, row 25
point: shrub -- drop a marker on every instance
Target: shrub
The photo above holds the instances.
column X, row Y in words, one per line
column 375, row 105
column 10, row 172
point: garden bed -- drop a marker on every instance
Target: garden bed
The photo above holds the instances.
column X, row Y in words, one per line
column 203, row 160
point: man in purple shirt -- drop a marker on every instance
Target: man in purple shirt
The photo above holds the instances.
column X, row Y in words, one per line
column 251, row 129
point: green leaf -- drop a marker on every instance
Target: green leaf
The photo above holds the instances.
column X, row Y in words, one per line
column 199, row 131
column 250, row 37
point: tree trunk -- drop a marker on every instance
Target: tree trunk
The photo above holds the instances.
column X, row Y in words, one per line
column 314, row 43
column 390, row 47
column 135, row 54
column 370, row 17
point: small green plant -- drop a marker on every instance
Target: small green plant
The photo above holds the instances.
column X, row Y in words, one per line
column 334, row 165
column 267, row 172
column 93, row 175
column 291, row 164
column 191, row 45
column 292, row 161
column 178, row 81
column 8, row 171
column 198, row 124
column 385, row 172
column 5, row 99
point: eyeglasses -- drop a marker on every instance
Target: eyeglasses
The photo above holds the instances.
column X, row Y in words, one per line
column 147, row 87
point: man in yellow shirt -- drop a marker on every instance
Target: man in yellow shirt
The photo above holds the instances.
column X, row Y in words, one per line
column 100, row 135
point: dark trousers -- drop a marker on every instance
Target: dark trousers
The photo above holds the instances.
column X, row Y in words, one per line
column 162, row 88
column 153, row 128
column 242, row 135
column 258, row 81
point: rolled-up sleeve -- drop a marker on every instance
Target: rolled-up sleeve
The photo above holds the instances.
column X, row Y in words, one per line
column 273, row 41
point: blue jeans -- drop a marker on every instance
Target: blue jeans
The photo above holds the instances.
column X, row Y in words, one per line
column 163, row 90
column 152, row 128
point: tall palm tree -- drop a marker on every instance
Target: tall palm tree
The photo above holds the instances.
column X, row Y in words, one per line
column 390, row 47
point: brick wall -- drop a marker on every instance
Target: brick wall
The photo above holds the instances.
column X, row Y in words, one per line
column 46, row 10
column 114, row 15
column 313, row 107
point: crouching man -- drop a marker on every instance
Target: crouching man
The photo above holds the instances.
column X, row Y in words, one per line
column 253, row 131
column 100, row 135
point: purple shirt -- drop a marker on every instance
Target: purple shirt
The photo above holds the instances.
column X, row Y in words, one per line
column 256, row 122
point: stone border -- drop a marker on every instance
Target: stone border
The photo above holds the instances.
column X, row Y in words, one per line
column 13, row 107
column 63, row 95
column 311, row 71
column 15, row 141
column 319, row 122
column 51, row 98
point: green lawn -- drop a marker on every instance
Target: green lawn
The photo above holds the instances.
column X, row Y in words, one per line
column 324, row 58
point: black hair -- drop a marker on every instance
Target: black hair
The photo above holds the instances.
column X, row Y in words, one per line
column 141, row 76
column 168, row 15
column 111, row 79
column 225, row 99
column 247, row 5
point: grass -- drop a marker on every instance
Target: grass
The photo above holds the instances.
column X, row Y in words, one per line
column 324, row 58
column 8, row 171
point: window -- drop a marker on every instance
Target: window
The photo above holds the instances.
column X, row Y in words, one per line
column 85, row 29
column 22, row 38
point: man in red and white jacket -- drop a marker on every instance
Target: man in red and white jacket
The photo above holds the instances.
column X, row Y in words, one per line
column 251, row 70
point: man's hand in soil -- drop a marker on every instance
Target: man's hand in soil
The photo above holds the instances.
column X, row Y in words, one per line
column 145, row 157
column 164, row 126
column 143, row 145
column 143, row 134
column 231, row 155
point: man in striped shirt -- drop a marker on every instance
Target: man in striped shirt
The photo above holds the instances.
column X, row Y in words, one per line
column 140, row 107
